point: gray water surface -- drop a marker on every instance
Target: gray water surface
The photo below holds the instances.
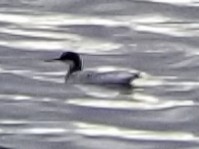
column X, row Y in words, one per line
column 158, row 37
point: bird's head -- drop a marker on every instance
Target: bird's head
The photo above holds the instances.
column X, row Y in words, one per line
column 72, row 58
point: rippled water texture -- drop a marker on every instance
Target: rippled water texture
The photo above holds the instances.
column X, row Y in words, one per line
column 158, row 37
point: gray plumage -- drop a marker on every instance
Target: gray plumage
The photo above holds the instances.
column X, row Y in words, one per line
column 111, row 77
column 76, row 75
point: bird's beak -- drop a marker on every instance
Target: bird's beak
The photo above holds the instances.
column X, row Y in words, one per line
column 52, row 60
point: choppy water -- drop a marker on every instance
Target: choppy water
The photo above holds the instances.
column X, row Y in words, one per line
column 157, row 37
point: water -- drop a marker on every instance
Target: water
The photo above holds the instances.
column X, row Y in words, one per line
column 157, row 37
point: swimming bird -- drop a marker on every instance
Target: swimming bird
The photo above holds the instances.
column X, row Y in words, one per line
column 77, row 75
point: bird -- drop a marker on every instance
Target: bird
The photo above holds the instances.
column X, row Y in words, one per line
column 76, row 74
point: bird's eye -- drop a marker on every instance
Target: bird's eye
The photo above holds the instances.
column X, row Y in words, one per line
column 88, row 75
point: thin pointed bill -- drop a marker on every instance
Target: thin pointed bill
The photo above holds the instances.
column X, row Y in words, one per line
column 52, row 60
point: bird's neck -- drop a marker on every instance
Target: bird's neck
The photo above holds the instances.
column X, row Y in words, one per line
column 71, row 70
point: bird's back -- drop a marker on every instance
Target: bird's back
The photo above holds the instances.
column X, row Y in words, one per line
column 111, row 77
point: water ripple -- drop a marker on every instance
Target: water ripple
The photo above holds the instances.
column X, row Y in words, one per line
column 100, row 130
